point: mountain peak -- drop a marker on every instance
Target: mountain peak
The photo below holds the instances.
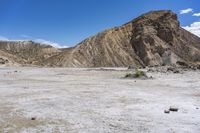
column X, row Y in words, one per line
column 154, row 38
column 158, row 13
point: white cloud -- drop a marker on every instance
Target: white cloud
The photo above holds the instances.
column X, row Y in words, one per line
column 54, row 44
column 42, row 41
column 25, row 36
column 194, row 28
column 186, row 11
column 2, row 38
column 196, row 14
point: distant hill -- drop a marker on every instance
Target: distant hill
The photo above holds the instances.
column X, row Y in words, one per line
column 154, row 38
column 25, row 52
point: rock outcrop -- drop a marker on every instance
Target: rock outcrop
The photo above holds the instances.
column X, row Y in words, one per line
column 153, row 39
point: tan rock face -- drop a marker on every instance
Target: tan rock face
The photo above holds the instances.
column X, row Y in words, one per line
column 153, row 33
column 154, row 38
column 26, row 52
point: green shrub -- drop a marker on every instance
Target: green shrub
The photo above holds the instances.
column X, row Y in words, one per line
column 136, row 74
column 128, row 75
column 139, row 73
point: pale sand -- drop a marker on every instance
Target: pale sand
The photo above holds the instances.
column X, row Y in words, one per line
column 81, row 101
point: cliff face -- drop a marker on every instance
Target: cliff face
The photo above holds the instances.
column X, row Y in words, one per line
column 109, row 48
column 155, row 38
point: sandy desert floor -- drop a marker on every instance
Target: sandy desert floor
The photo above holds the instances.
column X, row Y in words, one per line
column 64, row 100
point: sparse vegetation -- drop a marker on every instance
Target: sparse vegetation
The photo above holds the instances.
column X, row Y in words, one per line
column 137, row 74
column 128, row 75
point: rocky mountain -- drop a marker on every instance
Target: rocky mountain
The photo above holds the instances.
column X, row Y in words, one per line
column 154, row 38
column 25, row 53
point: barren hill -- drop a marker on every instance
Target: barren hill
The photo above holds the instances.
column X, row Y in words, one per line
column 25, row 52
column 154, row 38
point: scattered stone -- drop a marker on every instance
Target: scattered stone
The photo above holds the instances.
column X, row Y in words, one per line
column 150, row 70
column 131, row 67
column 198, row 67
column 150, row 66
column 166, row 111
column 176, row 71
column 197, row 108
column 111, row 125
column 170, row 69
column 33, row 118
column 173, row 69
column 151, row 77
column 182, row 63
column 174, row 109
column 3, row 61
column 190, row 66
column 194, row 68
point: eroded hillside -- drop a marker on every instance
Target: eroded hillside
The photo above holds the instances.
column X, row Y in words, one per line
column 154, row 38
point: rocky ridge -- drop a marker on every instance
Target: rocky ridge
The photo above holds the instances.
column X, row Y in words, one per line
column 25, row 52
column 153, row 39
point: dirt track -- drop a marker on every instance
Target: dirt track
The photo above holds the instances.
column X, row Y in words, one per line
column 83, row 101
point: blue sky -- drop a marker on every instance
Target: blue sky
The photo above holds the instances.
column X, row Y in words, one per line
column 67, row 22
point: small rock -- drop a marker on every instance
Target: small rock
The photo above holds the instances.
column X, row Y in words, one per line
column 198, row 67
column 151, row 77
column 33, row 118
column 131, row 67
column 182, row 63
column 150, row 66
column 170, row 69
column 174, row 109
column 194, row 68
column 166, row 111
column 3, row 61
column 176, row 71
column 150, row 70
column 197, row 108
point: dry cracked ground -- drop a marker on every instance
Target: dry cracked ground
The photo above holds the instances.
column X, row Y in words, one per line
column 64, row 100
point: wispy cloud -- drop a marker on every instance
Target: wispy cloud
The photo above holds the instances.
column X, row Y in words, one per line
column 194, row 28
column 25, row 36
column 54, row 44
column 3, row 38
column 42, row 41
column 196, row 14
column 185, row 11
